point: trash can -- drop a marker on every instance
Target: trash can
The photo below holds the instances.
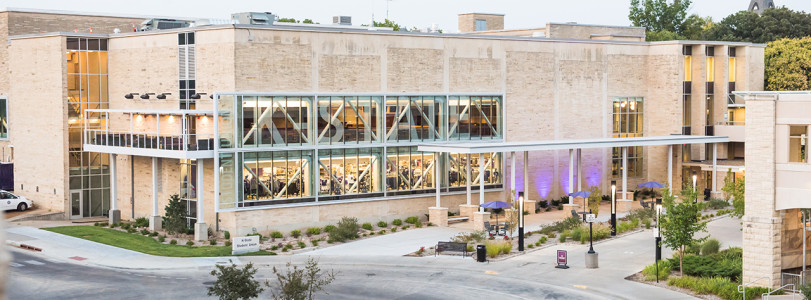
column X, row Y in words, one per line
column 481, row 253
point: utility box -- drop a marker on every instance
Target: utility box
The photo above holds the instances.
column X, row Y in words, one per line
column 254, row 18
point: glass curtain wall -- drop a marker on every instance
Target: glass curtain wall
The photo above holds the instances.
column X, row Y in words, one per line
column 627, row 122
column 87, row 89
column 271, row 147
column 3, row 118
column 188, row 189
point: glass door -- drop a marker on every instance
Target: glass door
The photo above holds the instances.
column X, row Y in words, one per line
column 76, row 204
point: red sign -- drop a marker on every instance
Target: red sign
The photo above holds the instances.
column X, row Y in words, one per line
column 561, row 257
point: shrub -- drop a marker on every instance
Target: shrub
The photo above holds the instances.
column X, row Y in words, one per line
column 560, row 207
column 560, row 226
column 717, row 204
column 650, row 271
column 145, row 231
column 531, row 246
column 542, row 240
column 578, row 232
column 141, row 222
column 382, row 232
column 329, row 228
column 394, row 229
column 347, row 229
column 722, row 287
column 562, row 238
column 599, row 232
column 227, row 235
column 418, row 225
column 494, row 248
column 313, row 231
column 543, row 204
column 125, row 226
column 382, row 224
column 302, row 245
column 372, row 233
column 710, row 246
column 212, row 242
column 405, row 227
column 154, row 233
column 275, row 235
column 641, row 213
column 174, row 219
column 555, row 202
column 429, row 224
column 647, row 223
column 162, row 238
column 727, row 263
column 228, row 243
column 412, row 220
column 315, row 242
column 256, row 234
column 295, row 233
column 473, row 237
column 299, row 283
column 189, row 244
column 548, row 209
column 131, row 230
column 805, row 290
column 274, row 247
column 173, row 242
column 234, row 282
column 469, row 248
column 367, row 226
column 96, row 224
column 397, row 222
column 552, row 235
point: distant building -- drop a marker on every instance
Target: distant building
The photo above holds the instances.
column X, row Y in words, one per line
column 759, row 6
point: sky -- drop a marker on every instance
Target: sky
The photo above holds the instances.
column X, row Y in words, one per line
column 409, row 13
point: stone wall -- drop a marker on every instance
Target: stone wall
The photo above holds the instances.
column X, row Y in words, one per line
column 585, row 32
column 467, row 22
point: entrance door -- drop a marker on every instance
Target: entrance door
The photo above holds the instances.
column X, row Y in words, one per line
column 76, row 204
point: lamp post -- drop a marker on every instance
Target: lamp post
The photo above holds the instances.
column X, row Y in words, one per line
column 613, row 208
column 520, row 221
column 695, row 178
column 658, row 238
column 591, row 243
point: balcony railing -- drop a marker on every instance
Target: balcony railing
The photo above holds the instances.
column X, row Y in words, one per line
column 185, row 142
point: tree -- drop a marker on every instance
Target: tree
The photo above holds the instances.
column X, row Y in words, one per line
column 594, row 200
column 174, row 221
column 773, row 24
column 734, row 189
column 681, row 221
column 289, row 20
column 235, row 283
column 387, row 23
column 656, row 15
column 300, row 284
column 307, row 21
column 788, row 65
column 512, row 214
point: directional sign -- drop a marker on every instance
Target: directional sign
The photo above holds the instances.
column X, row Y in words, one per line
column 562, row 260
column 591, row 218
column 655, row 232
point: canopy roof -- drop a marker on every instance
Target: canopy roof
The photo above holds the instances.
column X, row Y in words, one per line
column 485, row 147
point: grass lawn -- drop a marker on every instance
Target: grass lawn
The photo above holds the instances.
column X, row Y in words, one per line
column 143, row 244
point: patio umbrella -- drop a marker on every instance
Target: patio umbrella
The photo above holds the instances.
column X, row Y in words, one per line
column 584, row 195
column 651, row 184
column 495, row 204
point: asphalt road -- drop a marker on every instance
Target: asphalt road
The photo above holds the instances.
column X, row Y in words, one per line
column 35, row 277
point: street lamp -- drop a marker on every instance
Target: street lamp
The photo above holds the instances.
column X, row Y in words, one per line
column 520, row 221
column 658, row 238
column 695, row 177
column 613, row 208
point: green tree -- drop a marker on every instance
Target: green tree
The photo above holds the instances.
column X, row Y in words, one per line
column 289, row 20
column 735, row 189
column 788, row 65
column 387, row 23
column 594, row 200
column 772, row 25
column 681, row 221
column 174, row 221
column 307, row 21
column 656, row 15
column 300, row 284
column 234, row 282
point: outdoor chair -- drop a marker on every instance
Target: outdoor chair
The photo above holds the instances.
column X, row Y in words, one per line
column 490, row 228
column 503, row 230
column 574, row 214
column 644, row 204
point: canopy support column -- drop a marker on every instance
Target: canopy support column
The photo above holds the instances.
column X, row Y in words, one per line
column 670, row 168
column 571, row 175
column 625, row 173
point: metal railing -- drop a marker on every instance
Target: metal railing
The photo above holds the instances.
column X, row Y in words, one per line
column 742, row 287
column 794, row 280
column 180, row 142
column 765, row 296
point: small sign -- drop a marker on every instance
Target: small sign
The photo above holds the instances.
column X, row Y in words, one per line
column 591, row 218
column 561, row 259
column 655, row 232
column 244, row 244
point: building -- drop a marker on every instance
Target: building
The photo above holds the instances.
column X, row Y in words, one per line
column 759, row 6
column 777, row 187
column 278, row 127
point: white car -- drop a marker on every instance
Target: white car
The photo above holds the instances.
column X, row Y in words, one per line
column 9, row 201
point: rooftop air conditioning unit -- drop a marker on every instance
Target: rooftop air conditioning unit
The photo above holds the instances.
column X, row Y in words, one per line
column 161, row 24
column 342, row 20
column 254, row 18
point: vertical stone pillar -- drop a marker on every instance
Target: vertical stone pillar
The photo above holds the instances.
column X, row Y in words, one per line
column 200, row 228
column 114, row 214
column 155, row 220
column 761, row 222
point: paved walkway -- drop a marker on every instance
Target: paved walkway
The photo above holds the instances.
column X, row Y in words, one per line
column 392, row 244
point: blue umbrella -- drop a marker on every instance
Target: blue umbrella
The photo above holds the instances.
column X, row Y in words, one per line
column 496, row 204
column 651, row 184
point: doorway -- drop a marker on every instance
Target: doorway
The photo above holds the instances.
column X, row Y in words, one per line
column 76, row 204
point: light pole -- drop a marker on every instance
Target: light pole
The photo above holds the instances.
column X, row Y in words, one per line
column 613, row 208
column 658, row 238
column 520, row 221
column 591, row 243
column 695, row 178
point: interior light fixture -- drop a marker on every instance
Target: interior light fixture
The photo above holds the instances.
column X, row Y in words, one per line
column 130, row 95
column 162, row 96
column 624, row 103
column 145, row 96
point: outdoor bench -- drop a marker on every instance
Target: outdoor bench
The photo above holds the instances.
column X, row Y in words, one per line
column 458, row 219
column 451, row 246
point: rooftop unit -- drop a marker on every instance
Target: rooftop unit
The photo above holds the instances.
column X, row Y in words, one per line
column 254, row 18
column 160, row 24
column 342, row 20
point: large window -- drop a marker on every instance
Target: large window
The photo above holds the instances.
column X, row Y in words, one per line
column 474, row 118
column 353, row 172
column 414, row 118
column 481, row 25
column 186, row 69
column 3, row 118
column 351, row 120
column 279, row 149
column 281, row 176
column 687, row 66
column 710, row 64
column 189, row 189
column 797, row 144
column 275, row 120
column 627, row 122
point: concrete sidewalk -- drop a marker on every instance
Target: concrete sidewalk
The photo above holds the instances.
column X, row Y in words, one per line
column 392, row 244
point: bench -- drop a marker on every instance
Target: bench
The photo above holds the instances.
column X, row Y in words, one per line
column 451, row 246
column 458, row 219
